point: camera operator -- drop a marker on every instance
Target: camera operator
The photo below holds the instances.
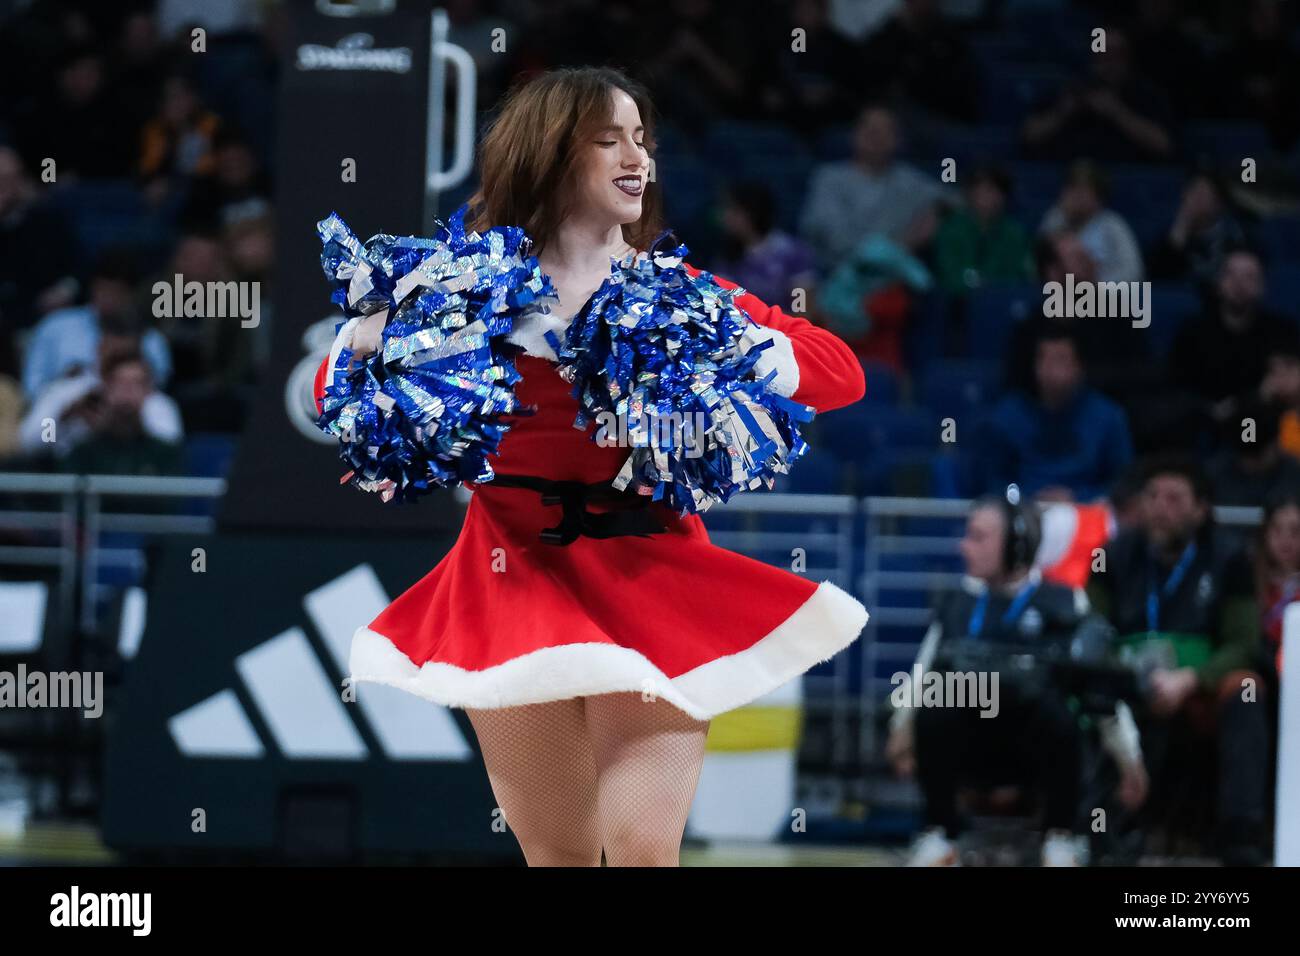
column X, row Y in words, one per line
column 1035, row 734
column 1181, row 597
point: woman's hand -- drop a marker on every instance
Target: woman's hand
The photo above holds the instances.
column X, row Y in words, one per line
column 367, row 337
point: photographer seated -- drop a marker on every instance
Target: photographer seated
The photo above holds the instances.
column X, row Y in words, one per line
column 1004, row 614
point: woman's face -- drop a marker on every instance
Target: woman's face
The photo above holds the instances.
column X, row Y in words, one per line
column 1283, row 539
column 614, row 182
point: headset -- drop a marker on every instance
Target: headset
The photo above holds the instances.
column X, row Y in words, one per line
column 1023, row 528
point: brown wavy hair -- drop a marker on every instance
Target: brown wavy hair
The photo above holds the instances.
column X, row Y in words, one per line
column 530, row 158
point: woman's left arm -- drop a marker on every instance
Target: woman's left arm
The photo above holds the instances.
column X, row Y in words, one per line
column 814, row 366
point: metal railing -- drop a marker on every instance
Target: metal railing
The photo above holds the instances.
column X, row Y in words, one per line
column 68, row 535
column 843, row 539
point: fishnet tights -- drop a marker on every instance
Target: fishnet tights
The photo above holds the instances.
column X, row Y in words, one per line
column 611, row 770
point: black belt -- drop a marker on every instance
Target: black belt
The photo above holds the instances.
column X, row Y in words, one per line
column 577, row 520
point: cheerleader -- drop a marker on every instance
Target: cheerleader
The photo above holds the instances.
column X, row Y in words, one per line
column 590, row 630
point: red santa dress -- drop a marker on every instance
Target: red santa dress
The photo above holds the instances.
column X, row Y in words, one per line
column 506, row 619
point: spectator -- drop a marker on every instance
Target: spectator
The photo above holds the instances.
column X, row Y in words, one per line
column 1169, row 59
column 1224, row 353
column 1081, row 209
column 867, row 299
column 611, row 31
column 873, row 193
column 1249, row 465
column 1113, row 116
column 37, row 248
column 67, row 341
column 1182, row 599
column 1257, row 77
column 702, row 64
column 142, row 60
column 248, row 243
column 919, row 57
column 755, row 254
column 119, row 443
column 177, row 142
column 217, row 356
column 74, row 405
column 820, row 84
column 248, row 248
column 81, row 127
column 1004, row 601
column 199, row 256
column 981, row 244
column 236, row 176
column 1117, row 355
column 1277, row 567
column 1281, row 387
column 1203, row 231
column 1063, row 442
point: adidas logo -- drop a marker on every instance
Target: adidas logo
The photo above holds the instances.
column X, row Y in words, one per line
column 299, row 704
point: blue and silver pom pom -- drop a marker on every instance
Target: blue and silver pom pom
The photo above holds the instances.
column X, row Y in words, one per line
column 660, row 350
column 425, row 410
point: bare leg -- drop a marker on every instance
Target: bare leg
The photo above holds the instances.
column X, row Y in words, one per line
column 648, row 758
column 540, row 764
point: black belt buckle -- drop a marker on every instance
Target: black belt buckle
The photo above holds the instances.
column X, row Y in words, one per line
column 576, row 521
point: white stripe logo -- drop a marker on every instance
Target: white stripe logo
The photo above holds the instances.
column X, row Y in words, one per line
column 299, row 705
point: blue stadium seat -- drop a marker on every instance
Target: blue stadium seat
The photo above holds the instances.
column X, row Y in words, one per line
column 926, row 337
column 882, row 383
column 958, row 386
column 786, row 175
column 987, row 142
column 208, row 454
column 1010, row 91
column 690, row 190
column 1283, row 293
column 816, row 473
column 731, row 142
column 670, row 139
column 1035, row 187
column 879, row 440
column 835, row 143
column 1233, row 141
column 1143, row 192
column 993, row 310
column 1172, row 304
column 110, row 211
column 1279, row 238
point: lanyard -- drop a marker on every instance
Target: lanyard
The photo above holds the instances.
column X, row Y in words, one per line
column 1171, row 584
column 1022, row 599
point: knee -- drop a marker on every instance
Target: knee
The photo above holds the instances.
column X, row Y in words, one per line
column 560, row 853
column 638, row 844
